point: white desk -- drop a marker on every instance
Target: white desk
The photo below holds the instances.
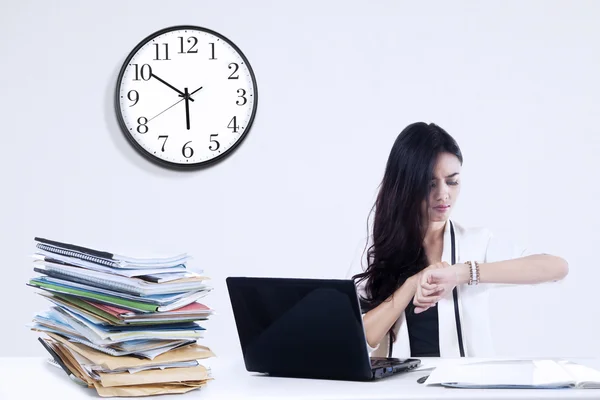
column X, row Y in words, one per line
column 33, row 378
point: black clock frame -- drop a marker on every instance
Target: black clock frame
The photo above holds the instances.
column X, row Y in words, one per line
column 172, row 165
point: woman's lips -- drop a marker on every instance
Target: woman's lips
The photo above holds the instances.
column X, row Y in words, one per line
column 441, row 208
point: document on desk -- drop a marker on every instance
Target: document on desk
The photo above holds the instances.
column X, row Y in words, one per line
column 515, row 374
column 120, row 325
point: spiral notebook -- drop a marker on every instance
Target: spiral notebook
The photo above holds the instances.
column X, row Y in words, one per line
column 119, row 283
column 139, row 304
column 106, row 258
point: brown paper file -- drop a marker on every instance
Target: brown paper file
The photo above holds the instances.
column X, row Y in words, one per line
column 71, row 364
column 198, row 373
column 186, row 353
column 147, row 390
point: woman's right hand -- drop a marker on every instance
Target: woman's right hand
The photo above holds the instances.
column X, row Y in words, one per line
column 427, row 295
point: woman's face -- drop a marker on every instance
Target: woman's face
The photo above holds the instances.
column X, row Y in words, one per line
column 445, row 187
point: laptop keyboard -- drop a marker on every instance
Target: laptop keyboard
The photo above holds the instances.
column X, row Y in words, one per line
column 380, row 362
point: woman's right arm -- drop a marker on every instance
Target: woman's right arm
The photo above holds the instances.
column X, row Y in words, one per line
column 378, row 321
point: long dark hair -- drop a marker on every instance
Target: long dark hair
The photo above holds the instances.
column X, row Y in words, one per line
column 397, row 252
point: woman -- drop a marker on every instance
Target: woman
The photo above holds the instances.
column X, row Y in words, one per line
column 425, row 288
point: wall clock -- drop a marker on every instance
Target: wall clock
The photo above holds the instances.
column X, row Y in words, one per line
column 186, row 97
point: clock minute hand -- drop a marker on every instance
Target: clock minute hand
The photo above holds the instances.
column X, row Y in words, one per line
column 153, row 75
column 187, row 96
column 187, row 108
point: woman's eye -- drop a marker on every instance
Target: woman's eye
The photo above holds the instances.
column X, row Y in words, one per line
column 452, row 183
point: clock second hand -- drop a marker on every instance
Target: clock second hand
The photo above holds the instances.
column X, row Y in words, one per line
column 165, row 110
column 173, row 105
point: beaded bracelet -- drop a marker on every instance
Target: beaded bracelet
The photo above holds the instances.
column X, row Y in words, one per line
column 474, row 276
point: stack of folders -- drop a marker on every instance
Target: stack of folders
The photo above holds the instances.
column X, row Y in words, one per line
column 124, row 326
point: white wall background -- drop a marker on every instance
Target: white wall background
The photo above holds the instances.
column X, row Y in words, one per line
column 517, row 83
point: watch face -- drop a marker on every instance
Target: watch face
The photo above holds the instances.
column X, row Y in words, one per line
column 186, row 96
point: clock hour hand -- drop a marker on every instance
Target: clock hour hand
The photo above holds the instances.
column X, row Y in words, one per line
column 190, row 94
column 195, row 91
column 153, row 75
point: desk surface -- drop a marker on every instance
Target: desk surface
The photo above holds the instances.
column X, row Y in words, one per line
column 34, row 378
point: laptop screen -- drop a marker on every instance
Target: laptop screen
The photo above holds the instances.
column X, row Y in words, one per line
column 288, row 326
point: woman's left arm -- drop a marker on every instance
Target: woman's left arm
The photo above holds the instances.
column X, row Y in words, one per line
column 537, row 268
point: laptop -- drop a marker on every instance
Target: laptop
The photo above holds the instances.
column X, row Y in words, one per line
column 305, row 328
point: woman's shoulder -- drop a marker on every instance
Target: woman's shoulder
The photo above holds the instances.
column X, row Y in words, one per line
column 496, row 247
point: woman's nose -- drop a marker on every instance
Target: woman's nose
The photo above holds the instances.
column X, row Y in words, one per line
column 443, row 193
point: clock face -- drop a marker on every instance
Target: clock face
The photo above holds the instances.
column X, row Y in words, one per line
column 186, row 96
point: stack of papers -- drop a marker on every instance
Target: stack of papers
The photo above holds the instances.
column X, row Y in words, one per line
column 515, row 374
column 124, row 326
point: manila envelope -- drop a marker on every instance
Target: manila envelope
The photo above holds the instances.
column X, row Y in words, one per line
column 148, row 390
column 186, row 353
column 153, row 376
